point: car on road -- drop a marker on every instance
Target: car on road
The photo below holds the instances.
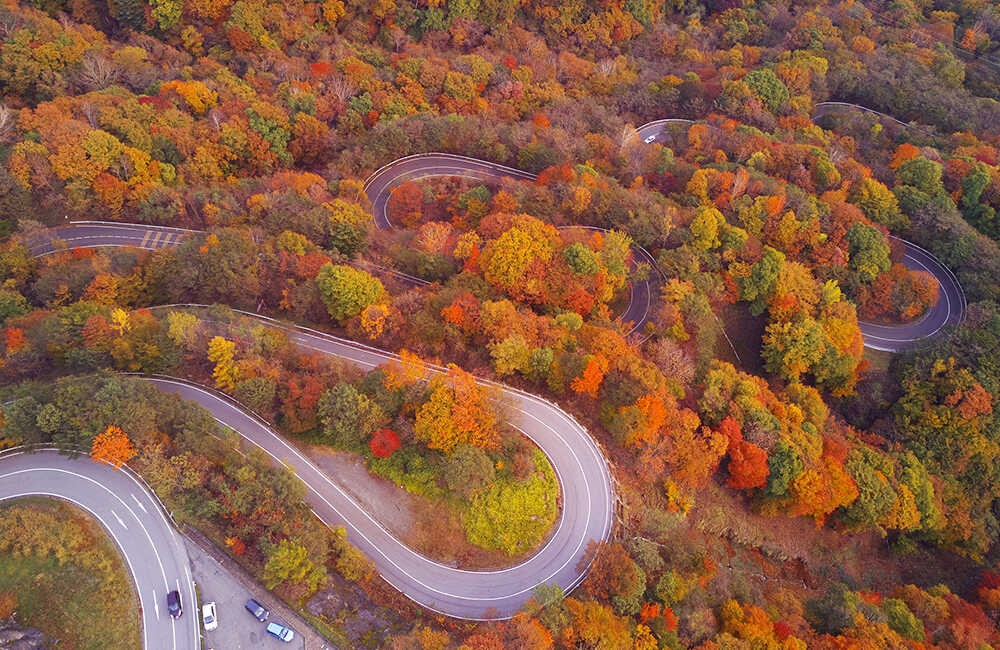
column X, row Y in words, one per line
column 208, row 616
column 259, row 611
column 174, row 604
column 650, row 139
column 284, row 633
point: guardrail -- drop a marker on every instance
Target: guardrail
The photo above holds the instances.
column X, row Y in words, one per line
column 513, row 171
column 951, row 274
column 865, row 109
column 292, row 327
column 143, row 226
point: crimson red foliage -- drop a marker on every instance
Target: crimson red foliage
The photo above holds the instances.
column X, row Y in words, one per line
column 383, row 443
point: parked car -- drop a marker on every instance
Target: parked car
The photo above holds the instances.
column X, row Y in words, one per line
column 208, row 616
column 280, row 631
column 174, row 604
column 259, row 611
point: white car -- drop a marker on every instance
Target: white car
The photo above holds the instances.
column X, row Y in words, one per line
column 650, row 139
column 208, row 616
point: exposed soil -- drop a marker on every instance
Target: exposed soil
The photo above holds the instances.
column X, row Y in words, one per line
column 391, row 506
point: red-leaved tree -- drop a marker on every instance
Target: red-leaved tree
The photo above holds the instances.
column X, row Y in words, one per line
column 384, row 443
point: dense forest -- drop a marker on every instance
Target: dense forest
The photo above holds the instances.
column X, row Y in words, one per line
column 778, row 484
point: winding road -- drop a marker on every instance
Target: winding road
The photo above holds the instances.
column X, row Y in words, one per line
column 587, row 496
column 384, row 181
column 949, row 310
column 587, row 488
column 153, row 551
column 950, row 307
column 101, row 234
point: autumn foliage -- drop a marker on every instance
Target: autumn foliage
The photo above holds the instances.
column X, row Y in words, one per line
column 383, row 443
column 113, row 446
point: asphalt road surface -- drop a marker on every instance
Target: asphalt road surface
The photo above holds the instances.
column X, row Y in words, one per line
column 949, row 310
column 96, row 234
column 584, row 478
column 153, row 551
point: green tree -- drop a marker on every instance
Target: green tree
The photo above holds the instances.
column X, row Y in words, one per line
column 513, row 354
column 468, row 470
column 766, row 85
column 759, row 285
column 783, row 464
column 347, row 291
column 288, row 563
column 980, row 215
column 876, row 495
column 257, row 393
column 12, row 304
column 902, row 620
column 919, row 187
column 348, row 416
column 879, row 204
column 869, row 252
column 923, row 174
column 222, row 267
column 581, row 259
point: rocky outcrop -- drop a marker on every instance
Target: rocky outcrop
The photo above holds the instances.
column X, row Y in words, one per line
column 15, row 637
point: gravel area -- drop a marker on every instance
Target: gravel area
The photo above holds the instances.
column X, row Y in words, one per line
column 391, row 506
column 221, row 580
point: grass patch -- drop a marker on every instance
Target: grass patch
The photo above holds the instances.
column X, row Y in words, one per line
column 66, row 577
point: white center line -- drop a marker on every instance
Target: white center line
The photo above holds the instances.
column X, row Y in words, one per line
column 120, row 521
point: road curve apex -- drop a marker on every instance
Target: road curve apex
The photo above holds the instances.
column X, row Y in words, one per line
column 134, row 519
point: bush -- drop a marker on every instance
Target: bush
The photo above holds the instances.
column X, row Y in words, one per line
column 514, row 516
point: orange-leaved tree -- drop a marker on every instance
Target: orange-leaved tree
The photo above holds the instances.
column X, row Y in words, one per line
column 113, row 447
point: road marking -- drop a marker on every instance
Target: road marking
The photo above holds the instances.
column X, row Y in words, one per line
column 588, row 444
column 104, row 524
column 139, row 503
column 156, row 605
column 143, row 244
column 120, row 521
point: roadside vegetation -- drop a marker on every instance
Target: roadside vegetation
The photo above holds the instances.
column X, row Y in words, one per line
column 62, row 574
column 789, row 494
column 239, row 500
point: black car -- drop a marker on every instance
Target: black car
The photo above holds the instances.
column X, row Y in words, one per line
column 174, row 604
column 258, row 610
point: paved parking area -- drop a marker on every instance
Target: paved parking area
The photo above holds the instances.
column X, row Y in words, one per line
column 229, row 587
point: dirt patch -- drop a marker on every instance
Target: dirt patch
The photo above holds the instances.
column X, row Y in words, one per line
column 390, row 505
